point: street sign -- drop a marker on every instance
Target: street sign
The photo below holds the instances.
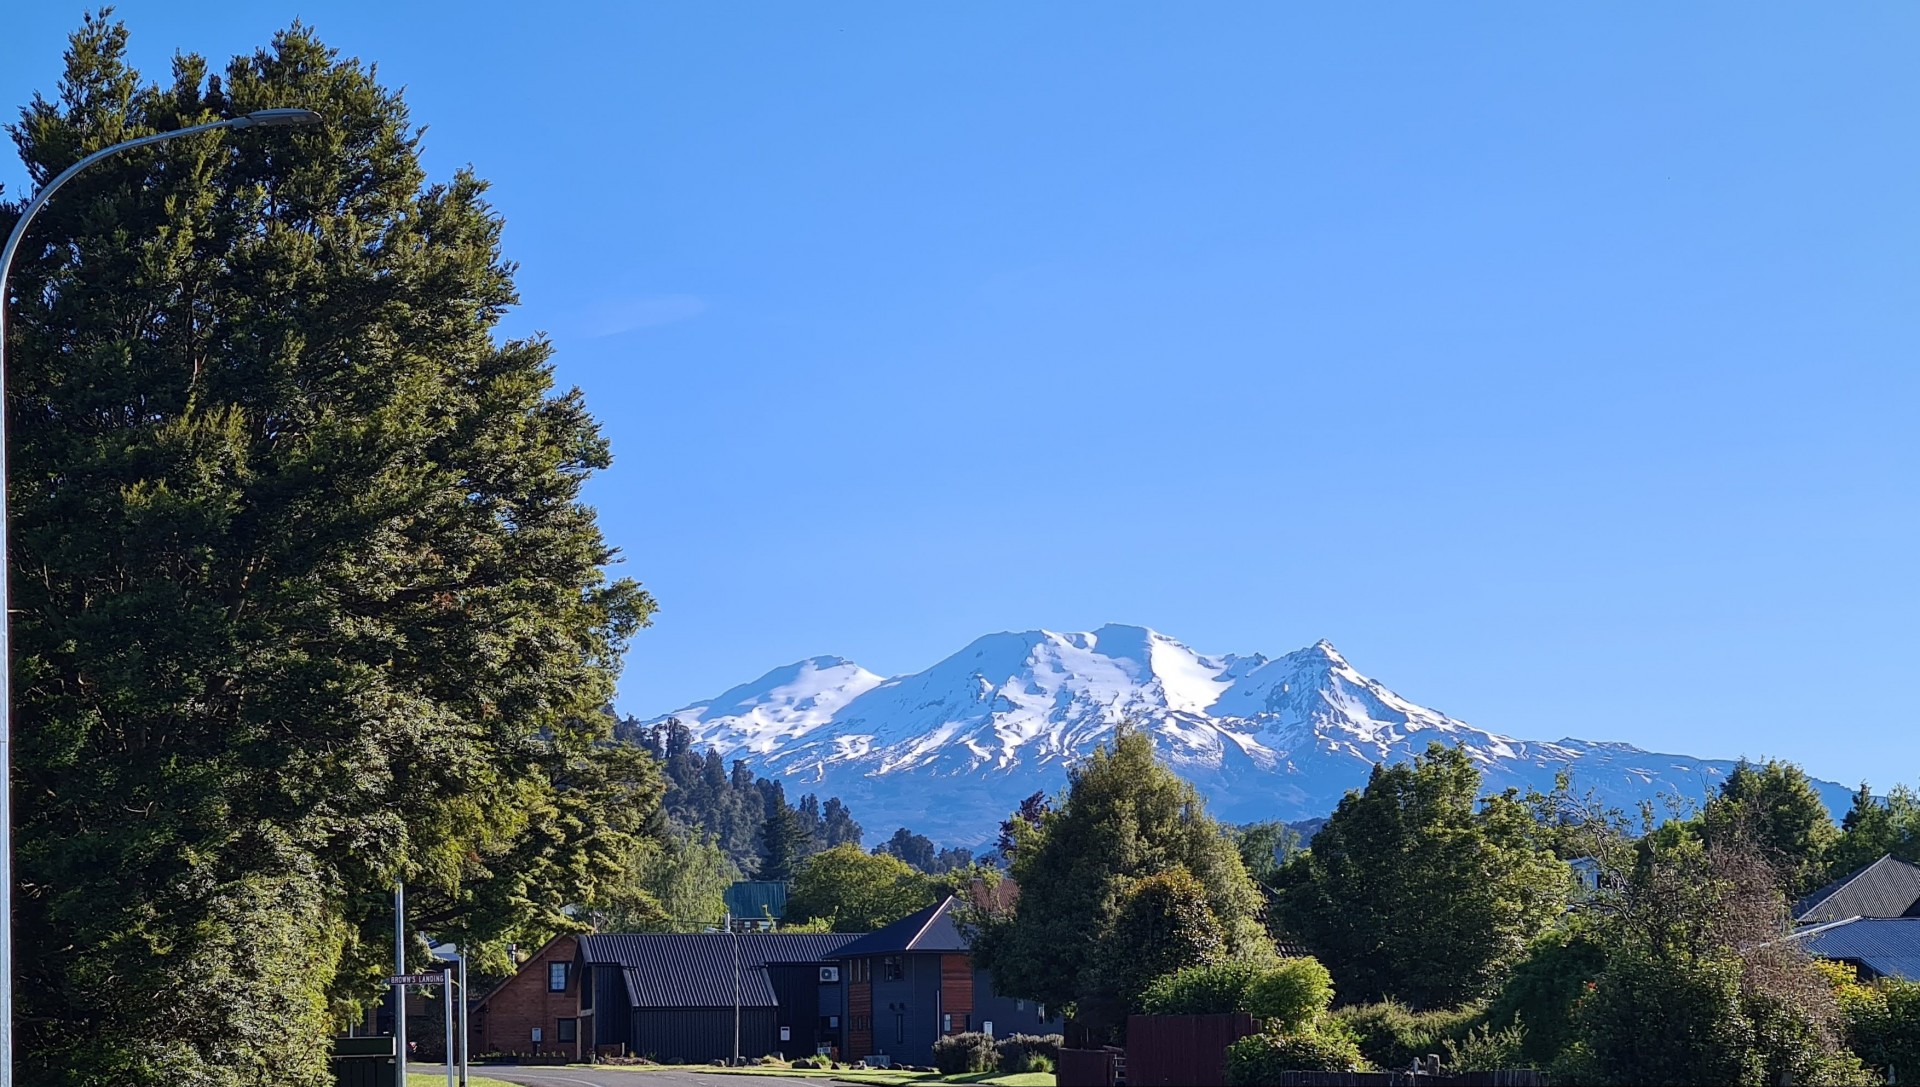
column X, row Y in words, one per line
column 417, row 979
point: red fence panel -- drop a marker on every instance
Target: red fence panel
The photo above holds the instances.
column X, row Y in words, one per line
column 1172, row 1050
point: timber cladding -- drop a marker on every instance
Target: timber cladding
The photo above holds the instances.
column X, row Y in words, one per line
column 956, row 993
column 861, row 1013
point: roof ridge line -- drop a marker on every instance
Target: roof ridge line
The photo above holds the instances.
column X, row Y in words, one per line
column 931, row 918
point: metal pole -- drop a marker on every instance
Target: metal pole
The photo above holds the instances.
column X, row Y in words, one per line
column 273, row 117
column 736, row 989
column 446, row 997
column 399, row 968
column 465, row 1031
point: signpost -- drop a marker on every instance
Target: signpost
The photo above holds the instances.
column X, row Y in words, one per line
column 400, row 988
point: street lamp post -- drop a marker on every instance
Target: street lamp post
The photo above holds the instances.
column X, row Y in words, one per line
column 265, row 118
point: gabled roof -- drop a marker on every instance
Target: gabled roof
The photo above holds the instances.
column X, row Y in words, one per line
column 931, row 929
column 1886, row 888
column 697, row 970
column 755, row 899
column 1888, row 946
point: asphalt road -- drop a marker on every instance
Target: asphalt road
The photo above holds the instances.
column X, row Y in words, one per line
column 538, row 1076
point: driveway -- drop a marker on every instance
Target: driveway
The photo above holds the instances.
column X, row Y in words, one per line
column 544, row 1076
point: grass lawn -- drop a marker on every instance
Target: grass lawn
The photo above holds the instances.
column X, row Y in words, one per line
column 886, row 1078
column 439, row 1079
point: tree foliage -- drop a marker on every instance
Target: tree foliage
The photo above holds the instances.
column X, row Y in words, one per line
column 1699, row 984
column 1160, row 923
column 1409, row 891
column 1773, row 808
column 305, row 597
column 747, row 815
column 1125, row 817
column 857, row 891
column 1874, row 828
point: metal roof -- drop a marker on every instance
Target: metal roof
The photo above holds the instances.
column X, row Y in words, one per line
column 931, row 929
column 697, row 971
column 1888, row 946
column 1886, row 888
column 756, row 899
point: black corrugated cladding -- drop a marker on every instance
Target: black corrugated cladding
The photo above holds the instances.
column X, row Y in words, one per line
column 701, row 1034
column 798, row 987
column 671, row 997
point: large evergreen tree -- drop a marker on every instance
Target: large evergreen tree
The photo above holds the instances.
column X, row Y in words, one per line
column 1126, row 817
column 1411, row 890
column 306, row 600
column 1775, row 806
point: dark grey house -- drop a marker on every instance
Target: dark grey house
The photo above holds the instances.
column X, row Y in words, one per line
column 1889, row 887
column 674, row 997
column 914, row 981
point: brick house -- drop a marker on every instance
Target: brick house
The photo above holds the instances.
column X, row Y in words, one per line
column 537, row 1010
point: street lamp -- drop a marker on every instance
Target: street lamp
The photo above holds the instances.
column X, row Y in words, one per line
column 264, row 118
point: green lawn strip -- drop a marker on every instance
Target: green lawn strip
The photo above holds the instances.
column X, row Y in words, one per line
column 439, row 1079
column 883, row 1077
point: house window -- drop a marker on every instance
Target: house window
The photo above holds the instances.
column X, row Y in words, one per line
column 946, row 1024
column 891, row 966
column 569, row 1030
column 557, row 977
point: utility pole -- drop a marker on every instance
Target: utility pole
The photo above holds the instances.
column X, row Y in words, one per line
column 399, row 990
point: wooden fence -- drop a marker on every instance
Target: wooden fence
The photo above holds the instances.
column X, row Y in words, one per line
column 1516, row 1077
column 1172, row 1050
column 1087, row 1068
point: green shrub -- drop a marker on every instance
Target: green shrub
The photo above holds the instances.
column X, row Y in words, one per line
column 971, row 1051
column 1293, row 994
column 1260, row 1058
column 1484, row 1048
column 1393, row 1035
column 1202, row 990
column 1882, row 1022
column 1035, row 1062
column 1015, row 1049
column 1544, row 987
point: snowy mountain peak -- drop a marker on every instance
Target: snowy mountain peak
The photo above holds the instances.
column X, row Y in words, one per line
column 950, row 749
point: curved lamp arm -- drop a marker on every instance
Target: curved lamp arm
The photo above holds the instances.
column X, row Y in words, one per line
column 266, row 118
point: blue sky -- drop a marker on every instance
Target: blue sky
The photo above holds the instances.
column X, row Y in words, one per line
column 1556, row 362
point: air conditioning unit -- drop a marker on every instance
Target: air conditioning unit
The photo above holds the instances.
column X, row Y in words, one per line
column 829, row 974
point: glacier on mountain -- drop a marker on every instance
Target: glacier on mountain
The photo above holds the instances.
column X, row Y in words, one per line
column 949, row 751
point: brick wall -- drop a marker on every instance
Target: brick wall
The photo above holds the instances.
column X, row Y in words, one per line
column 504, row 1022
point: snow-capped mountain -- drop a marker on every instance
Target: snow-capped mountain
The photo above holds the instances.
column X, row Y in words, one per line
column 950, row 750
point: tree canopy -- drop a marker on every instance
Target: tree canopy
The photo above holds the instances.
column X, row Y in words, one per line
column 1126, row 817
column 1413, row 890
column 857, row 891
column 306, row 600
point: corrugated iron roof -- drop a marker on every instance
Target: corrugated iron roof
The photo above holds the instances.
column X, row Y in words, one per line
column 756, row 899
column 697, row 971
column 931, row 929
column 1889, row 946
column 1886, row 888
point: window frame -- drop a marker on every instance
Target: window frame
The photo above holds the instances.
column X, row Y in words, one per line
column 566, row 975
column 566, row 1030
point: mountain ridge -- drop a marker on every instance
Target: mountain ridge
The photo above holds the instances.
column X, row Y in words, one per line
column 1262, row 737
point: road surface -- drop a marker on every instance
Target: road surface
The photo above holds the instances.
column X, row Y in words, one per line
column 547, row 1076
